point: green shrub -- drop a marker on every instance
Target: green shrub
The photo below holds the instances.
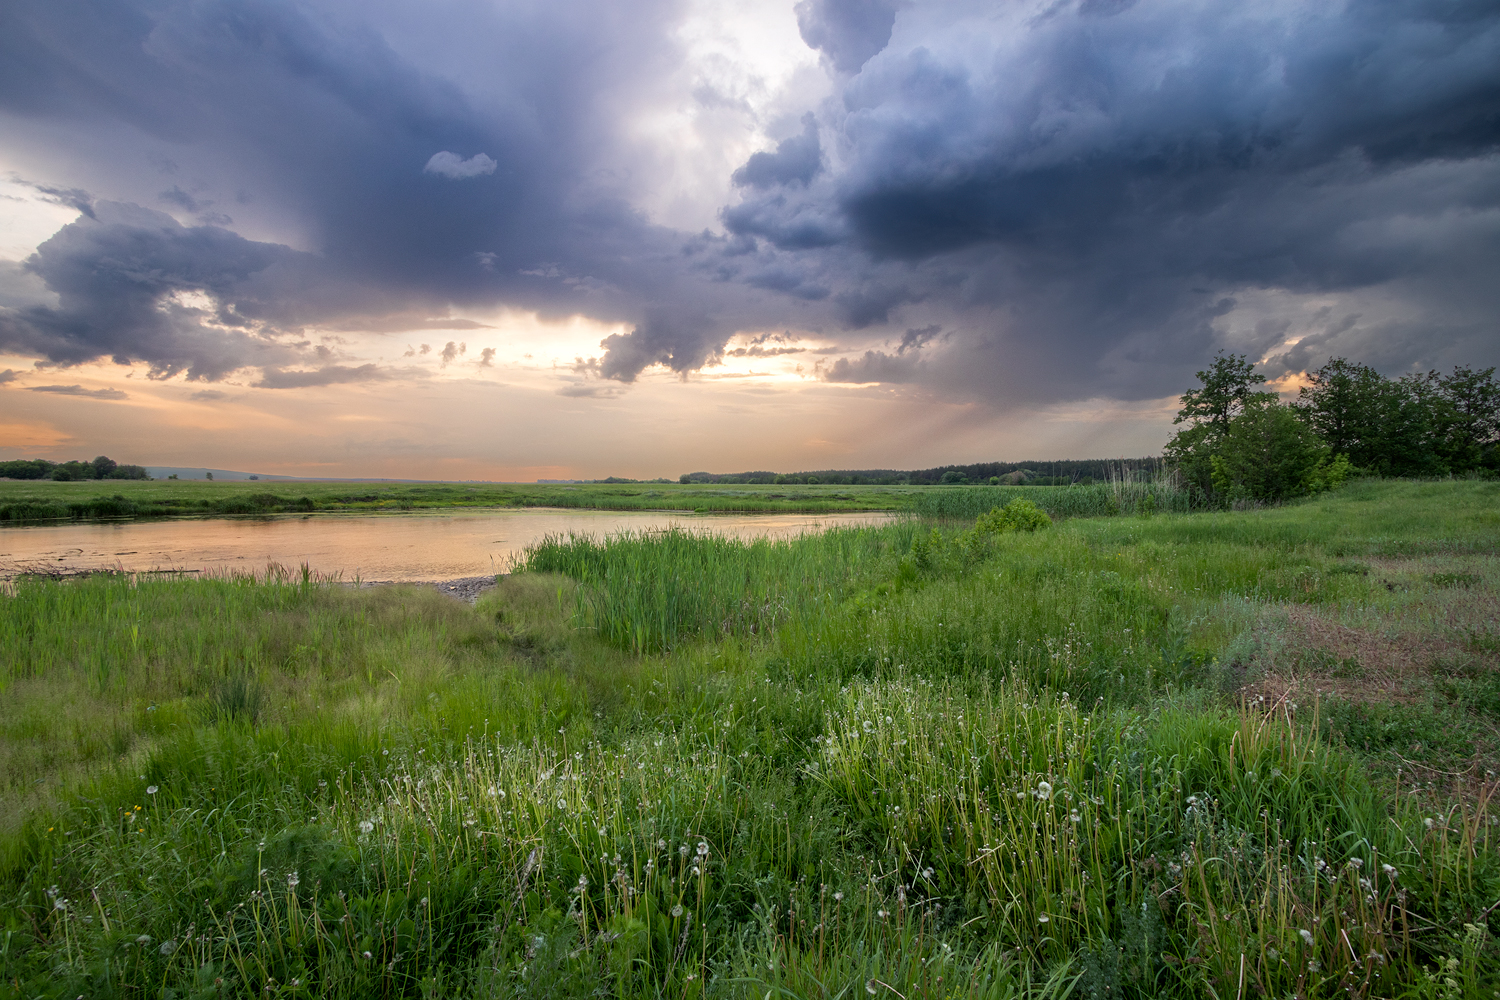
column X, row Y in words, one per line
column 1018, row 515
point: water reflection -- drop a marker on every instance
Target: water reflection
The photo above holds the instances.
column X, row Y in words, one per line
column 436, row 545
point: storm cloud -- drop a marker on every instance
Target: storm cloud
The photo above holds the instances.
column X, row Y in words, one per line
column 78, row 390
column 1086, row 198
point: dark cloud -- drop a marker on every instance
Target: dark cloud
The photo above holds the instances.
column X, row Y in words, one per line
column 208, row 396
column 1091, row 186
column 849, row 32
column 78, row 390
column 875, row 366
column 796, row 161
column 681, row 342
column 327, row 122
column 119, row 276
column 177, row 196
column 1088, row 196
column 915, row 340
column 9, row 375
column 589, row 390
column 757, row 351
column 277, row 378
column 75, row 198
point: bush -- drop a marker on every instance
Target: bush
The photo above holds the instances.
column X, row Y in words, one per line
column 1268, row 453
column 1018, row 515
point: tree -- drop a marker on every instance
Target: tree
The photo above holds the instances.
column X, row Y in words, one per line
column 1342, row 403
column 1468, row 419
column 1406, row 437
column 1226, row 391
column 1410, row 426
column 1267, row 453
column 103, row 466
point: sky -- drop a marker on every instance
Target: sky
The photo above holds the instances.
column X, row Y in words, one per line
column 516, row 239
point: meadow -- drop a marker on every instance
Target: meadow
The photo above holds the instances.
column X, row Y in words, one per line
column 43, row 500
column 1146, row 754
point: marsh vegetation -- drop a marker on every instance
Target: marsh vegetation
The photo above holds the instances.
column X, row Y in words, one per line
column 1155, row 754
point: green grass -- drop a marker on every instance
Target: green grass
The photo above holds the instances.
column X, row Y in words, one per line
column 24, row 501
column 39, row 500
column 883, row 761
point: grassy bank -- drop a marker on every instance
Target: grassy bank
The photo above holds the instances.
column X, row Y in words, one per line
column 1219, row 754
column 33, row 501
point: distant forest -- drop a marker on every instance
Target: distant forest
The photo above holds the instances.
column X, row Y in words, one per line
column 102, row 467
column 1061, row 472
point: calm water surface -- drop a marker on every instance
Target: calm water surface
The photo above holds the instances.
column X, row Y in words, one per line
column 436, row 545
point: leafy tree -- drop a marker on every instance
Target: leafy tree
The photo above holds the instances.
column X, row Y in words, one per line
column 22, row 468
column 1406, row 438
column 1342, row 403
column 103, row 466
column 1468, row 421
column 1416, row 425
column 1267, row 453
column 1226, row 391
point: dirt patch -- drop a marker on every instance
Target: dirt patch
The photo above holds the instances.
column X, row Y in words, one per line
column 1383, row 655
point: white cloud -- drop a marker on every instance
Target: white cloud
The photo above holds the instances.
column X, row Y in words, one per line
column 452, row 165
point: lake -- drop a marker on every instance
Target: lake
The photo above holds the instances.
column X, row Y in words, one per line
column 431, row 545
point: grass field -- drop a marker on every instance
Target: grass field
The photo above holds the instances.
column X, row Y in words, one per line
column 1222, row 755
column 27, row 500
column 33, row 501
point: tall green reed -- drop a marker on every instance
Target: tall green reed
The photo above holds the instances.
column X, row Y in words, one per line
column 647, row 592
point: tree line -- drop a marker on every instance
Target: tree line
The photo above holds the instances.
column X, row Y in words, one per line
column 1242, row 441
column 1029, row 473
column 102, row 467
